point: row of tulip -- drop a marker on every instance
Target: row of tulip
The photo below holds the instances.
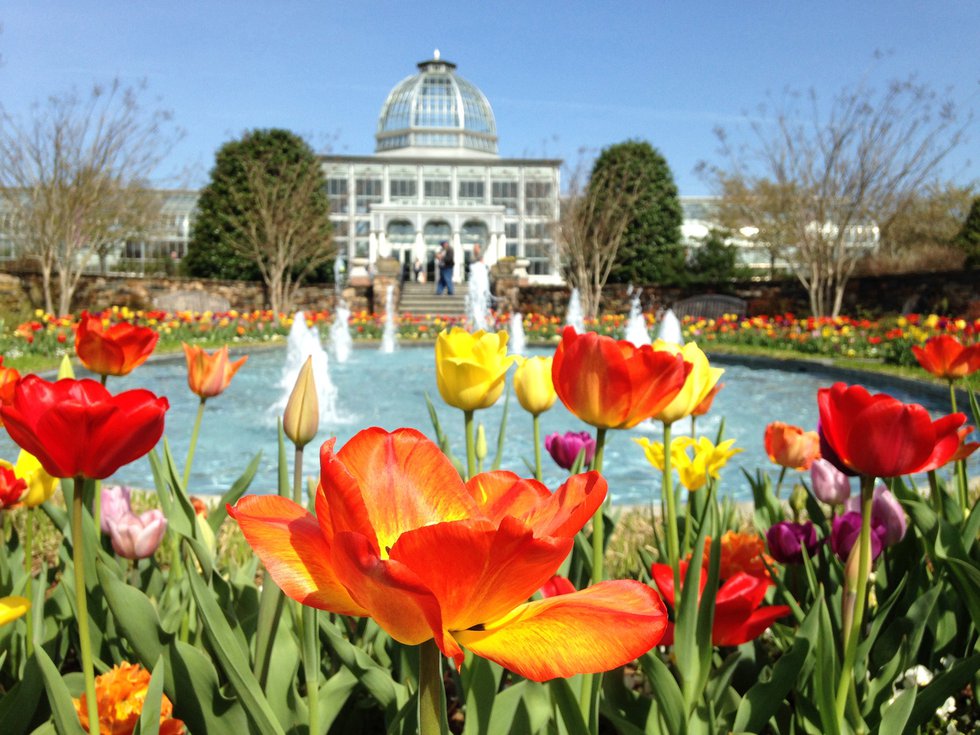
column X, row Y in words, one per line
column 887, row 340
column 404, row 546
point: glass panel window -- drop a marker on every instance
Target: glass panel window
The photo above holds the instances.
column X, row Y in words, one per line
column 337, row 194
column 535, row 231
column 537, row 198
column 438, row 189
column 505, row 193
column 362, row 227
column 510, row 230
column 471, row 190
column 402, row 188
column 367, row 192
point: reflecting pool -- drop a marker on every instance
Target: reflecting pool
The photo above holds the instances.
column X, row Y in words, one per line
column 388, row 390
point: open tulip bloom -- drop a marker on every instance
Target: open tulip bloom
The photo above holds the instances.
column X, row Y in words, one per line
column 399, row 537
column 117, row 350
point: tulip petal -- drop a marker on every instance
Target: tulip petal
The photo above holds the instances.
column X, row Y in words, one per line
column 13, row 607
column 288, row 540
column 734, row 631
column 388, row 590
column 477, row 570
column 564, row 512
column 502, row 493
column 597, row 629
column 909, row 438
column 403, row 480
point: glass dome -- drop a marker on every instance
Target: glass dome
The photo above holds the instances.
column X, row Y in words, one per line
column 436, row 112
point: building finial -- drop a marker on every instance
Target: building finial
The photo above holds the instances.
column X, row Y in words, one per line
column 435, row 54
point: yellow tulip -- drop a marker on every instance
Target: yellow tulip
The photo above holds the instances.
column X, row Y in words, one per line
column 12, row 608
column 532, row 382
column 40, row 485
column 301, row 419
column 698, row 385
column 471, row 368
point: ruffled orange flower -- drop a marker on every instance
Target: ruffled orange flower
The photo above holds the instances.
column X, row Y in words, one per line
column 741, row 552
column 791, row 447
column 113, row 351
column 120, row 694
column 209, row 374
column 946, row 357
column 612, row 384
column 399, row 537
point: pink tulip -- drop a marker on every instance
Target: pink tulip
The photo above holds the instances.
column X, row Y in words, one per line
column 115, row 505
column 829, row 484
column 886, row 510
column 137, row 537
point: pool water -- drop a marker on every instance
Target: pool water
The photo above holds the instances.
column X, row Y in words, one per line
column 389, row 389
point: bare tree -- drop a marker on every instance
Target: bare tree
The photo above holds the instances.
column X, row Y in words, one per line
column 819, row 182
column 267, row 205
column 591, row 229
column 74, row 179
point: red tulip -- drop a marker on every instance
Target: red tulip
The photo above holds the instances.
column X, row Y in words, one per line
column 8, row 379
column 879, row 436
column 113, row 351
column 791, row 447
column 612, row 384
column 399, row 537
column 209, row 374
column 11, row 487
column 946, row 357
column 738, row 615
column 76, row 427
column 965, row 449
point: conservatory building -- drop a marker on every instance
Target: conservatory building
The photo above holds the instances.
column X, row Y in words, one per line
column 436, row 176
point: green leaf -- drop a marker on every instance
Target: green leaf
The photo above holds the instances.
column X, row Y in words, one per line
column 149, row 723
column 944, row 685
column 827, row 669
column 568, row 706
column 227, row 650
column 761, row 701
column 19, row 705
column 481, row 679
column 666, row 692
column 377, row 680
column 894, row 716
column 62, row 709
column 218, row 514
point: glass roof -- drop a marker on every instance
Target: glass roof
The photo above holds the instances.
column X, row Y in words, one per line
column 436, row 108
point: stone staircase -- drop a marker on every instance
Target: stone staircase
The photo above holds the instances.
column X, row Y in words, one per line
column 420, row 299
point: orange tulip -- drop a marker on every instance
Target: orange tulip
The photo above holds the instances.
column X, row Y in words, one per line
column 113, row 351
column 946, row 357
column 790, row 446
column 399, row 537
column 121, row 695
column 8, row 379
column 209, row 374
column 612, row 384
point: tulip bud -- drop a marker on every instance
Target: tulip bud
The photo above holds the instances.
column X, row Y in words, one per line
column 137, row 537
column 481, row 442
column 301, row 420
column 787, row 540
column 565, row 448
column 885, row 511
column 115, row 505
column 797, row 499
column 65, row 369
column 846, row 530
column 830, row 485
column 532, row 382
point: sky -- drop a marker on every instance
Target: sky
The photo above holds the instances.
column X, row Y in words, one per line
column 565, row 79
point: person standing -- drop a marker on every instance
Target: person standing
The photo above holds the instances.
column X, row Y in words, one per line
column 445, row 261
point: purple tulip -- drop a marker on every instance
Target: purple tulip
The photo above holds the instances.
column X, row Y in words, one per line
column 565, row 448
column 138, row 536
column 787, row 540
column 886, row 510
column 845, row 532
column 829, row 484
column 115, row 505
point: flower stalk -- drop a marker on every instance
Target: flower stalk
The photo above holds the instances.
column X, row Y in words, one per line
column 470, row 443
column 432, row 693
column 78, row 559
column 193, row 445
column 29, row 571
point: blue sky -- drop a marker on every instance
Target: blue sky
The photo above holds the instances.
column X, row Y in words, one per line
column 561, row 76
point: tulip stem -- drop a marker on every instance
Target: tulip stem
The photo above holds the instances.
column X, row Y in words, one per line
column 779, row 482
column 298, row 476
column 84, row 640
column 598, row 521
column 853, row 631
column 311, row 667
column 670, row 522
column 29, row 571
column 470, row 444
column 432, row 691
column 193, row 444
column 537, row 449
column 960, row 467
column 935, row 493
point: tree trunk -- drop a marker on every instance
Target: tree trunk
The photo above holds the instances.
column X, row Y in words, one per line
column 46, row 288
